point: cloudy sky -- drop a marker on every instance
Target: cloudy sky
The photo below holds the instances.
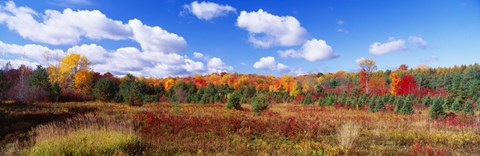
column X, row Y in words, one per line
column 178, row 38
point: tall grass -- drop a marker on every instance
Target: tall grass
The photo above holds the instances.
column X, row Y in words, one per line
column 347, row 134
column 85, row 135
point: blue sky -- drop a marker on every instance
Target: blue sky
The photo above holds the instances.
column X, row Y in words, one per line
column 180, row 38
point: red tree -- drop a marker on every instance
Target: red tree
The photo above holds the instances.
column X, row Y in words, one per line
column 407, row 85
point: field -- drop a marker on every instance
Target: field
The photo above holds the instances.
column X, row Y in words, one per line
column 210, row 129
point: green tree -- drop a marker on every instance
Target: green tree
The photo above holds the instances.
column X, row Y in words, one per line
column 104, row 90
column 436, row 109
column 55, row 92
column 456, row 106
column 132, row 91
column 260, row 103
column 39, row 78
column 468, row 107
column 233, row 101
column 407, row 108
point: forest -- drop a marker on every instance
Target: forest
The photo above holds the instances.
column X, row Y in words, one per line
column 407, row 111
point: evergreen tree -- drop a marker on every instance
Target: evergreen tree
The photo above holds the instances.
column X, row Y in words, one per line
column 407, row 108
column 372, row 105
column 456, row 106
column 104, row 90
column 233, row 101
column 380, row 106
column 468, row 107
column 436, row 110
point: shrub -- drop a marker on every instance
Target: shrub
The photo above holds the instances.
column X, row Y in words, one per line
column 407, row 108
column 104, row 90
column 468, row 108
column 456, row 106
column 259, row 103
column 233, row 101
column 150, row 98
column 347, row 134
column 436, row 110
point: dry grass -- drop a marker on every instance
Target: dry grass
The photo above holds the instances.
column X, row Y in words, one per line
column 347, row 134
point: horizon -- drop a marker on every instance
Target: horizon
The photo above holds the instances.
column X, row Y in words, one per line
column 179, row 39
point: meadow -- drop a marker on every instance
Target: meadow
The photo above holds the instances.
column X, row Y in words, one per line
column 94, row 128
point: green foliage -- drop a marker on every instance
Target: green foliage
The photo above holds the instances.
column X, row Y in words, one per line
column 55, row 92
column 88, row 142
column 468, row 107
column 456, row 106
column 233, row 101
column 380, row 106
column 407, row 108
column 104, row 90
column 436, row 110
column 132, row 91
column 39, row 78
column 372, row 105
column 260, row 103
column 150, row 98
column 319, row 88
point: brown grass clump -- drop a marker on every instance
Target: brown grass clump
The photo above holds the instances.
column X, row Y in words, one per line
column 347, row 134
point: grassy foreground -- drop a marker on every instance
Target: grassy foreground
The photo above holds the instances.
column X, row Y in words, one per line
column 195, row 129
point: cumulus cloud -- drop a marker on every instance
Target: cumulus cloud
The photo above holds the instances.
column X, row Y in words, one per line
column 392, row 45
column 269, row 63
column 119, row 62
column 70, row 26
column 208, row 10
column 65, row 27
column 155, row 38
column 216, row 65
column 418, row 41
column 266, row 30
column 312, row 50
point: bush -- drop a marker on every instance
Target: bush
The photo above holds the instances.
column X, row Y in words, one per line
column 407, row 108
column 233, row 101
column 104, row 90
column 436, row 110
column 259, row 103
column 150, row 98
column 468, row 108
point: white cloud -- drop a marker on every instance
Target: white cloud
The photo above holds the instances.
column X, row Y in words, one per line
column 418, row 41
column 31, row 52
column 69, row 27
column 268, row 30
column 289, row 53
column 269, row 63
column 312, row 50
column 208, row 10
column 119, row 62
column 156, row 39
column 95, row 54
column 392, row 45
column 266, row 63
column 198, row 55
column 216, row 65
column 65, row 27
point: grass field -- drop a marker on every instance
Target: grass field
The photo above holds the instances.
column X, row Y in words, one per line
column 196, row 129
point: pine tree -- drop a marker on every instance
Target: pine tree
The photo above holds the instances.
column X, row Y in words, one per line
column 456, row 106
column 380, row 106
column 372, row 106
column 407, row 108
column 436, row 110
column 468, row 108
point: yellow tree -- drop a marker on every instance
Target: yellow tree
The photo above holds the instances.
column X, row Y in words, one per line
column 394, row 84
column 169, row 83
column 69, row 66
column 83, row 82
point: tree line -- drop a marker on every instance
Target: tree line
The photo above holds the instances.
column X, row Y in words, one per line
column 453, row 89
